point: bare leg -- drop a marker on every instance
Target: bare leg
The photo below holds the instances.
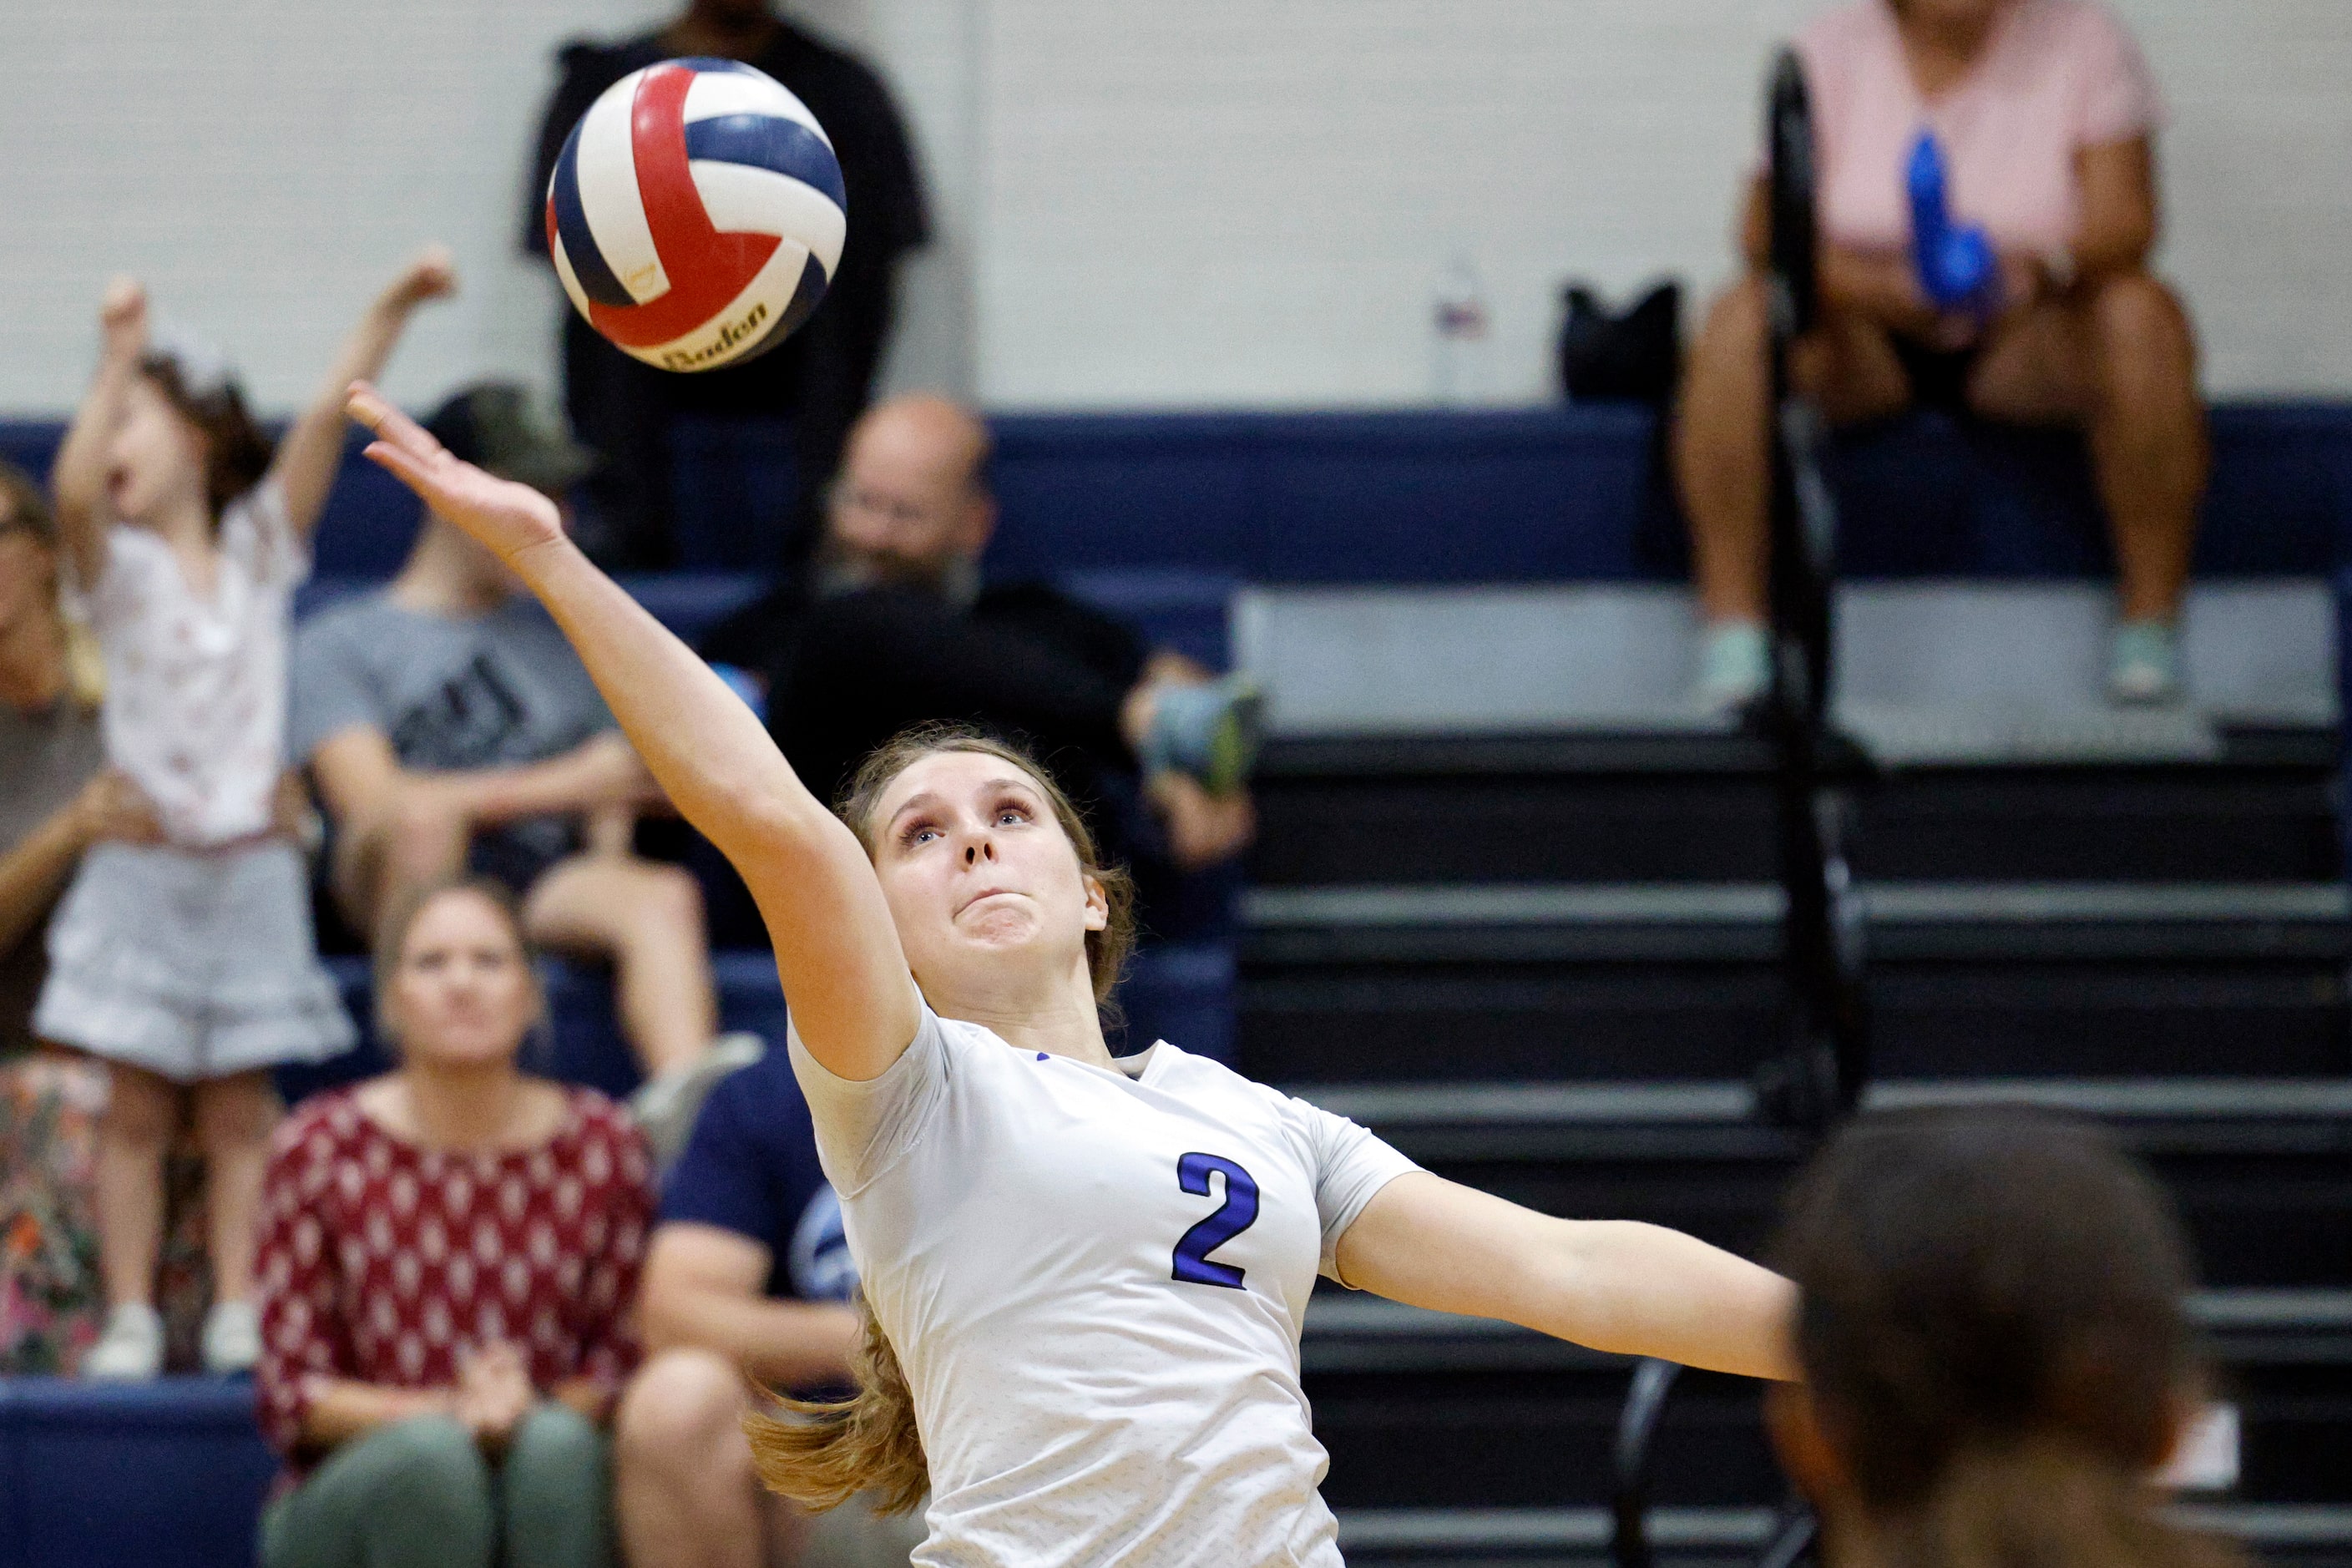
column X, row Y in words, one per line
column 1721, row 451
column 683, row 1483
column 1721, row 461
column 2148, row 440
column 143, row 1112
column 2119, row 357
column 235, row 1116
column 647, row 919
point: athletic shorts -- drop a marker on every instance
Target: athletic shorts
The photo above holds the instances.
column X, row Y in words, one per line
column 193, row 964
column 1939, row 377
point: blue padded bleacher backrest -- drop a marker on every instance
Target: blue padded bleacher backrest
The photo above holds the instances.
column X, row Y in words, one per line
column 370, row 521
column 2344, row 696
column 1336, row 497
column 1574, row 493
column 688, row 602
column 163, row 1475
column 1928, row 496
column 1180, row 992
column 1187, row 612
column 1551, row 494
column 734, row 484
column 31, row 445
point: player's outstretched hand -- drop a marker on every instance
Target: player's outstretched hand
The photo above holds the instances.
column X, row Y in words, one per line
column 508, row 517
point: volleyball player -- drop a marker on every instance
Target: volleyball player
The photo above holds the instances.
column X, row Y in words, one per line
column 1086, row 1276
column 1995, row 1349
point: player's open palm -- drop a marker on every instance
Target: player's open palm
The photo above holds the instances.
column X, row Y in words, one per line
column 507, row 517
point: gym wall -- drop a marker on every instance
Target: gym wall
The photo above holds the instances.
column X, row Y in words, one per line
column 1148, row 202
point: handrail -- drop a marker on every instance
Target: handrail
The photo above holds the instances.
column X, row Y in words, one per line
column 1637, row 1425
column 1819, row 1078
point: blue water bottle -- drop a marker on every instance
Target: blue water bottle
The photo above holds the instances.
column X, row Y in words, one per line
column 1956, row 265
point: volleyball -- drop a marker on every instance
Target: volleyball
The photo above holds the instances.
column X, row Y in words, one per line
column 696, row 214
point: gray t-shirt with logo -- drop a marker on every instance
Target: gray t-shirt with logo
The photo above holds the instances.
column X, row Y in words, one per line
column 451, row 693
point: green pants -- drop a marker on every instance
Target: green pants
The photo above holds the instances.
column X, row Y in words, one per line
column 419, row 1494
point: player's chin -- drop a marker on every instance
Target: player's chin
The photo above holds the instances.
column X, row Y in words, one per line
column 1000, row 922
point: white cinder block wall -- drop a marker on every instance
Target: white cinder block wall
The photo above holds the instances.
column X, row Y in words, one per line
column 1152, row 202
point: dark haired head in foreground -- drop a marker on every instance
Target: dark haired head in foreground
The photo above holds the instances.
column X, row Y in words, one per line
column 1994, row 1347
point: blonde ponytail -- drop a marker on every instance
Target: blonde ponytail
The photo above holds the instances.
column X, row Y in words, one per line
column 821, row 1455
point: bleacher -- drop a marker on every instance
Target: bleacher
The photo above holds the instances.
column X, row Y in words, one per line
column 1537, row 948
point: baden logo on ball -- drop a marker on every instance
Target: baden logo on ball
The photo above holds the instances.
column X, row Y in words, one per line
column 696, row 214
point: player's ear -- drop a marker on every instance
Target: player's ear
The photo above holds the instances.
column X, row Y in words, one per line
column 1097, row 902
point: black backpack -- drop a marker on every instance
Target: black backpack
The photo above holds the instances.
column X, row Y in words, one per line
column 1636, row 355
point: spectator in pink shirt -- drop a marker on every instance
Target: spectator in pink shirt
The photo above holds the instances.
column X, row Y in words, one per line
column 2046, row 117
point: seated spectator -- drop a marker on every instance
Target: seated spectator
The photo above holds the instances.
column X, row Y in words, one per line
column 449, row 725
column 57, row 799
column 1995, row 1354
column 899, row 630
column 818, row 381
column 2046, row 117
column 745, row 1288
column 448, row 1260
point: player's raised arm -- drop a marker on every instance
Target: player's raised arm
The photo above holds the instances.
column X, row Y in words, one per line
column 844, row 972
column 1613, row 1285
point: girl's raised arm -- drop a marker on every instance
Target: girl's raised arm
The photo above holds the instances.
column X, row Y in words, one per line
column 78, row 479
column 313, row 448
column 844, row 972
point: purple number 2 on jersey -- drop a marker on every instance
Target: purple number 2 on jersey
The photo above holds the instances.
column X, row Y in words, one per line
column 1234, row 1216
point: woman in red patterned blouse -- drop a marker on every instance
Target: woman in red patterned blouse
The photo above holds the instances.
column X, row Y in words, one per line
column 448, row 1259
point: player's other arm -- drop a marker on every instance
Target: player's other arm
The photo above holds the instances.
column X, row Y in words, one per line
column 1614, row 1285
column 844, row 974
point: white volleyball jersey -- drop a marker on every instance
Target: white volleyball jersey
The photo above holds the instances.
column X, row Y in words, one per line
column 1095, row 1281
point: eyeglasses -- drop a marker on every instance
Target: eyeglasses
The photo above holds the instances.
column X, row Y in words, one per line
column 841, row 496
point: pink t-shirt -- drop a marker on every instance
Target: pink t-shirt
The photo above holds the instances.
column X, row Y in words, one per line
column 2056, row 76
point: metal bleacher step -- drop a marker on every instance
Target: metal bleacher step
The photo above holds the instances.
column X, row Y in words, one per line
column 1696, row 806
column 1675, row 981
column 2260, row 1168
column 1457, row 1434
column 1548, row 965
column 2305, row 1535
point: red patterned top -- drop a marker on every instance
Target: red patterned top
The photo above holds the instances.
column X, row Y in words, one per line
column 380, row 1258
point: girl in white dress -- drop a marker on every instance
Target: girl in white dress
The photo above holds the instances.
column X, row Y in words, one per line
column 1086, row 1275
column 189, row 964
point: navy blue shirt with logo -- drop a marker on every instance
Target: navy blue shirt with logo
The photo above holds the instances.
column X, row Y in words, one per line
column 751, row 1167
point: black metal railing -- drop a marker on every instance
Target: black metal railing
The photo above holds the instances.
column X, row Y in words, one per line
column 1819, row 1078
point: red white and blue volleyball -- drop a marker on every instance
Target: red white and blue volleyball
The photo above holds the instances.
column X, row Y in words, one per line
column 697, row 214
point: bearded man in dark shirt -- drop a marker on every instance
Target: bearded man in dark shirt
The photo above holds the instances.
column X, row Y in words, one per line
column 895, row 629
column 822, row 377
